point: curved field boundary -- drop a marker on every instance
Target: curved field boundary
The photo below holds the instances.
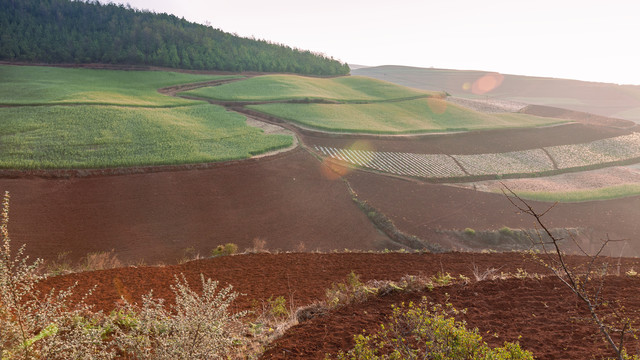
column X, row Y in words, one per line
column 560, row 158
column 408, row 164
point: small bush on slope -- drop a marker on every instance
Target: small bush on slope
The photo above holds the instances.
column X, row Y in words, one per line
column 197, row 327
column 42, row 327
column 428, row 332
column 33, row 326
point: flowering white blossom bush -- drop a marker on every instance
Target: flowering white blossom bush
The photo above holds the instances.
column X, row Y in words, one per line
column 49, row 326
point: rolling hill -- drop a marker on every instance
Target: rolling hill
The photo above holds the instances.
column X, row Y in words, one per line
column 78, row 32
column 618, row 101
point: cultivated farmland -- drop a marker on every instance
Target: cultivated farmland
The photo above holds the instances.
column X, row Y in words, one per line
column 598, row 152
column 107, row 136
column 30, row 85
column 84, row 118
column 402, row 117
column 418, row 165
column 529, row 161
column 290, row 87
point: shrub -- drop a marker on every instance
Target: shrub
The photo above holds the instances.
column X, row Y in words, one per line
column 469, row 232
column 227, row 249
column 505, row 231
column 442, row 279
column 196, row 327
column 352, row 290
column 429, row 332
column 101, row 260
column 278, row 307
column 36, row 326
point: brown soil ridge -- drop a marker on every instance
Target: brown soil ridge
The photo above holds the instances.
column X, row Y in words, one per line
column 542, row 311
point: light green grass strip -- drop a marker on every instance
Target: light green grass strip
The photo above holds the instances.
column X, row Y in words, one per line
column 23, row 85
column 412, row 116
column 109, row 136
column 287, row 87
column 606, row 193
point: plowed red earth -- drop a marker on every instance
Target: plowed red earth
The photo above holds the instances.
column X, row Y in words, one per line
column 154, row 217
column 477, row 142
column 424, row 209
column 544, row 313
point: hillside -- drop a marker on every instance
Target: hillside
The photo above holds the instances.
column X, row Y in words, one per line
column 357, row 104
column 63, row 31
column 619, row 101
column 86, row 118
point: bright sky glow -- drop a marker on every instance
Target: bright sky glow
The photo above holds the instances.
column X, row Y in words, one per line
column 584, row 40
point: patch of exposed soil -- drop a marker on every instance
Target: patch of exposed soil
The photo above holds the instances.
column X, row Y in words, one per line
column 586, row 180
column 154, row 217
column 539, row 310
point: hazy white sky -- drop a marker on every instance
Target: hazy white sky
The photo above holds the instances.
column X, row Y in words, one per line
column 585, row 40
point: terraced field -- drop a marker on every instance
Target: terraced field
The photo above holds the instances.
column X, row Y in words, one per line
column 37, row 85
column 596, row 152
column 359, row 105
column 398, row 117
column 418, row 165
column 288, row 87
column 560, row 157
column 50, row 137
column 60, row 118
column 515, row 162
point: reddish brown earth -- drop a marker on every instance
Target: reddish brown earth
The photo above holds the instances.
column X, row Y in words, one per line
column 154, row 217
column 157, row 214
column 541, row 315
column 479, row 142
column 542, row 311
column 423, row 209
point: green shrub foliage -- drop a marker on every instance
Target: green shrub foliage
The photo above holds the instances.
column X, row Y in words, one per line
column 424, row 331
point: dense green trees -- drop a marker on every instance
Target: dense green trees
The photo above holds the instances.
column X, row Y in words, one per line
column 63, row 31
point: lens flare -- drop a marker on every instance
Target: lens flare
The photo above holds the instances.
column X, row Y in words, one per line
column 466, row 86
column 487, row 83
column 332, row 169
column 362, row 145
column 361, row 152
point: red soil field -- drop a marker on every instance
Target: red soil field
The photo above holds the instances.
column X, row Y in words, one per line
column 154, row 217
column 478, row 142
column 424, row 209
column 542, row 315
column 542, row 311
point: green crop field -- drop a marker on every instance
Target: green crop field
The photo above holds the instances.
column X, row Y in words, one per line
column 24, row 85
column 107, row 136
column 411, row 116
column 606, row 193
column 289, row 87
